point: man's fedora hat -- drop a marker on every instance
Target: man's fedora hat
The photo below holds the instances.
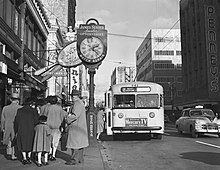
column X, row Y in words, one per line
column 15, row 96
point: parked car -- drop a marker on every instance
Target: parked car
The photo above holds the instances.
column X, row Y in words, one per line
column 198, row 121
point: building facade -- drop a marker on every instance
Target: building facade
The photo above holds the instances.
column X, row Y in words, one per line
column 200, row 32
column 23, row 33
column 158, row 59
column 123, row 74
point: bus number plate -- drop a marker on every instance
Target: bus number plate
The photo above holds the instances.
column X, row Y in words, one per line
column 136, row 122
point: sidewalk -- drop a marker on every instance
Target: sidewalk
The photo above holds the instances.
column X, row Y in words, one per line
column 92, row 160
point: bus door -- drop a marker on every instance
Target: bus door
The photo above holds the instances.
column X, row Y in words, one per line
column 108, row 113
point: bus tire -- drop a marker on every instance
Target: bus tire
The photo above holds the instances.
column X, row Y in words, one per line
column 157, row 136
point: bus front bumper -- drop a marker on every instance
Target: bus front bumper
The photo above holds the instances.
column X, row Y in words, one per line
column 137, row 129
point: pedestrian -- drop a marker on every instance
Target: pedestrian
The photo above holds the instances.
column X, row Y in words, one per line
column 77, row 129
column 100, row 122
column 42, row 140
column 24, row 124
column 44, row 108
column 56, row 115
column 7, row 124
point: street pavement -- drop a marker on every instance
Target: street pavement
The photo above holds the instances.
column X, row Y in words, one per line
column 92, row 160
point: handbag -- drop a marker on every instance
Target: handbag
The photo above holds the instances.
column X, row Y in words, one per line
column 64, row 137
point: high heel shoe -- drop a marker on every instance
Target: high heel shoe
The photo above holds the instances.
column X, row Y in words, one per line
column 39, row 164
column 45, row 163
column 24, row 162
column 29, row 160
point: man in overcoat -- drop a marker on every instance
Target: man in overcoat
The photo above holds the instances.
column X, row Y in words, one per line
column 77, row 129
column 7, row 124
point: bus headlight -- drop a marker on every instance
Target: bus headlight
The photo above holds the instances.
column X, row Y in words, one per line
column 120, row 115
column 152, row 114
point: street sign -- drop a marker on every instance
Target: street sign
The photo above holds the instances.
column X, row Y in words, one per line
column 91, row 42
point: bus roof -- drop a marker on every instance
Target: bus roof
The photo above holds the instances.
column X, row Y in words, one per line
column 152, row 85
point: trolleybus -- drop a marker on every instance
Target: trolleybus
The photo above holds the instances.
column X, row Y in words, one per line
column 135, row 107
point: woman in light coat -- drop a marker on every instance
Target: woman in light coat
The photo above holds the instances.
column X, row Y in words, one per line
column 77, row 129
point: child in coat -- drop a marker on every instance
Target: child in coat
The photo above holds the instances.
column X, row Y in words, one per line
column 42, row 140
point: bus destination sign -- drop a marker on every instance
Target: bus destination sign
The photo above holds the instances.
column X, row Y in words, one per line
column 135, row 89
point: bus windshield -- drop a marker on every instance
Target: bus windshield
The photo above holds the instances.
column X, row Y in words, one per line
column 124, row 101
column 142, row 101
column 147, row 101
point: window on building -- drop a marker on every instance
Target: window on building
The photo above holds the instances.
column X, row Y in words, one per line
column 16, row 22
column 164, row 79
column 163, row 66
column 159, row 39
column 163, row 52
column 9, row 9
column 179, row 66
column 1, row 8
column 34, row 45
column 179, row 79
column 179, row 93
column 29, row 38
column 178, row 52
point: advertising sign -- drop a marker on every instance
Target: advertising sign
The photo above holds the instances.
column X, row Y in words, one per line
column 92, row 42
column 68, row 56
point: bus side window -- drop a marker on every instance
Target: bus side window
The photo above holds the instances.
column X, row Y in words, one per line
column 161, row 100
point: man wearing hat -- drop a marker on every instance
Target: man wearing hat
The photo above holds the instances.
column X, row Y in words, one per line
column 77, row 129
column 7, row 124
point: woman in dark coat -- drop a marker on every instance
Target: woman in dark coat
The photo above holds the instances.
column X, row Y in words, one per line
column 25, row 121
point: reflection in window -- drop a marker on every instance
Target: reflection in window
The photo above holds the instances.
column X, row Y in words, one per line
column 124, row 101
column 147, row 100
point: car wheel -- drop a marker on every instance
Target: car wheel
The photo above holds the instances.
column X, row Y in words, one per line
column 179, row 131
column 194, row 133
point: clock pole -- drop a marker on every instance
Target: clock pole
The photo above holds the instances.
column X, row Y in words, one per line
column 92, row 49
column 91, row 73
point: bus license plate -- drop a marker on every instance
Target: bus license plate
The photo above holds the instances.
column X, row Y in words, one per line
column 136, row 122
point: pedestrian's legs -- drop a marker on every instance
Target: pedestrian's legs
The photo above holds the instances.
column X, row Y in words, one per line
column 56, row 134
column 74, row 157
column 9, row 148
column 81, row 153
column 98, row 136
column 24, row 156
column 46, row 157
column 39, row 157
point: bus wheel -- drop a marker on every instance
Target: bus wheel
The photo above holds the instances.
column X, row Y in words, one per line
column 157, row 136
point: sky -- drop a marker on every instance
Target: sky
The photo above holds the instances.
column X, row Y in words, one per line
column 127, row 23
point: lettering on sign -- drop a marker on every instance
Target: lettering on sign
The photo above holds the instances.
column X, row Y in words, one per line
column 91, row 124
column 212, row 49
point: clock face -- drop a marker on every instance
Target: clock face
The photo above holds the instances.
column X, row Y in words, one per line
column 92, row 48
